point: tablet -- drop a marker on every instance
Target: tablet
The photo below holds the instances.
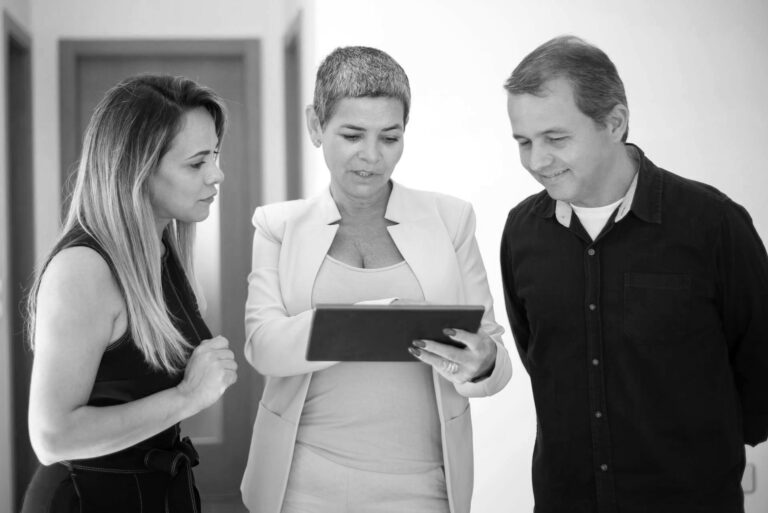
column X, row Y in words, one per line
column 383, row 333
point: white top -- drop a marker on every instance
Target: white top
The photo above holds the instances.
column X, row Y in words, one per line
column 594, row 218
column 375, row 416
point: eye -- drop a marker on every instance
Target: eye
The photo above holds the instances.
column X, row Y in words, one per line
column 523, row 143
column 351, row 137
column 557, row 140
column 391, row 140
column 198, row 165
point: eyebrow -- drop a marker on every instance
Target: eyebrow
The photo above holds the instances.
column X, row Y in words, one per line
column 201, row 153
column 396, row 126
column 553, row 130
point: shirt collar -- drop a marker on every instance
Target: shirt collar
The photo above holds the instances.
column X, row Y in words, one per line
column 643, row 197
column 402, row 206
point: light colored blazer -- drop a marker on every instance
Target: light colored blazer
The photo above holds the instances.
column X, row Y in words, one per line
column 436, row 235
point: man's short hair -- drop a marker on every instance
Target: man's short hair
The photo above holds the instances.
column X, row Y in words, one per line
column 597, row 87
column 357, row 72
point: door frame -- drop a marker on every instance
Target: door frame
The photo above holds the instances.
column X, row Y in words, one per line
column 20, row 137
column 247, row 194
column 294, row 109
column 71, row 50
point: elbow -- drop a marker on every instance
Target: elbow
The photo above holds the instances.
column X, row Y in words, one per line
column 47, row 445
column 256, row 357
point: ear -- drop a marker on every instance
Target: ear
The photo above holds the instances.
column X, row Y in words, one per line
column 313, row 126
column 617, row 121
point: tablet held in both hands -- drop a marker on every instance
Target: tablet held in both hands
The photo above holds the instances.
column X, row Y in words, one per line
column 383, row 333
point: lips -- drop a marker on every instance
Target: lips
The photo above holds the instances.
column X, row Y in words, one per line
column 209, row 199
column 552, row 176
column 363, row 174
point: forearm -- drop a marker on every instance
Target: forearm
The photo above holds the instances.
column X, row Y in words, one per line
column 91, row 431
column 502, row 373
column 277, row 345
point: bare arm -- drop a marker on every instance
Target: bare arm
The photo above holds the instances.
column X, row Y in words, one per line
column 79, row 312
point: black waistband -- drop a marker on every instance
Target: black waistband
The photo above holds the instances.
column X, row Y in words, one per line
column 181, row 495
column 141, row 460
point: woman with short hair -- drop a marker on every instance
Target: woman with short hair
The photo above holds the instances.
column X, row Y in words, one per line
column 365, row 437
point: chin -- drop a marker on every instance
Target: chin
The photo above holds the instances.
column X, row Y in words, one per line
column 196, row 217
column 367, row 189
column 560, row 193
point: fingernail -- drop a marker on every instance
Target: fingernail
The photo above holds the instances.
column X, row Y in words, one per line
column 449, row 332
column 419, row 343
column 415, row 352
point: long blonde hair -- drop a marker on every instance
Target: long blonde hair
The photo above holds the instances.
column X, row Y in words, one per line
column 129, row 132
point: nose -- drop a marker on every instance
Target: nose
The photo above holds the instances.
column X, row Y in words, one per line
column 539, row 158
column 215, row 174
column 369, row 152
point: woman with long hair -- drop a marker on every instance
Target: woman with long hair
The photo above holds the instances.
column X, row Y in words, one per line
column 121, row 352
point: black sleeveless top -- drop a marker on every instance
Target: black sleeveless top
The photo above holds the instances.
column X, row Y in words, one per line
column 155, row 470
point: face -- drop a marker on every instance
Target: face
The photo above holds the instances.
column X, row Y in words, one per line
column 566, row 151
column 184, row 184
column 362, row 142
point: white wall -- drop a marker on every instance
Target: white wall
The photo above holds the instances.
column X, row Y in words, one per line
column 695, row 73
column 18, row 10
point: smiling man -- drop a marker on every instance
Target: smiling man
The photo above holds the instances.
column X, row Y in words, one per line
column 639, row 304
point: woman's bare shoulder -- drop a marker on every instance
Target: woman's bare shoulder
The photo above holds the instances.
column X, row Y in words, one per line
column 78, row 281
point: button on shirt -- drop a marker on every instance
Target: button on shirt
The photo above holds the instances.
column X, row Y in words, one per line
column 647, row 347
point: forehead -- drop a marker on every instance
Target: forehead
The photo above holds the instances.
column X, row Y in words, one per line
column 556, row 107
column 370, row 112
column 196, row 132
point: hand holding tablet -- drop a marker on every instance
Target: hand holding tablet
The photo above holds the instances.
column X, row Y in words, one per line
column 375, row 333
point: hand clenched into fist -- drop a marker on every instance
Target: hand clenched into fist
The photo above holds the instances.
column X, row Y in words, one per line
column 211, row 369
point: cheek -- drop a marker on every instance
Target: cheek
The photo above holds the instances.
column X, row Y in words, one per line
column 336, row 156
column 393, row 155
column 525, row 158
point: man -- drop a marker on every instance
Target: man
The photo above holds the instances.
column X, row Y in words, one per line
column 638, row 301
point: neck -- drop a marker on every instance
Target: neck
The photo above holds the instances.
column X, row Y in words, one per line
column 370, row 207
column 160, row 226
column 619, row 173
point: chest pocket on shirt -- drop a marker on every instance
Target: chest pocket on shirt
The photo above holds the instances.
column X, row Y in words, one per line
column 657, row 307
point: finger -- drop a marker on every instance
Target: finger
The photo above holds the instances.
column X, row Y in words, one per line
column 445, row 351
column 228, row 364
column 216, row 343
column 467, row 338
column 441, row 365
column 225, row 354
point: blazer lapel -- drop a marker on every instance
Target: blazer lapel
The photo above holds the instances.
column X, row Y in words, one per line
column 307, row 239
column 421, row 237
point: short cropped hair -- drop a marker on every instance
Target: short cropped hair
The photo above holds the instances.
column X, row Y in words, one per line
column 597, row 87
column 358, row 72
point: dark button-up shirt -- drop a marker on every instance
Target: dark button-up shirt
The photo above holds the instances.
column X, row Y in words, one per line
column 647, row 348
